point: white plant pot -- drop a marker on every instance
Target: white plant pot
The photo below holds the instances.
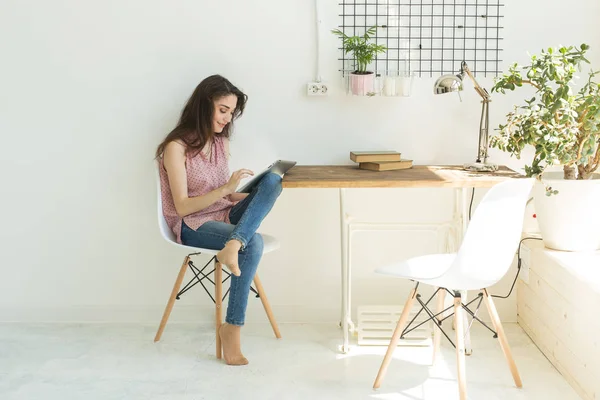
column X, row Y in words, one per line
column 361, row 84
column 569, row 220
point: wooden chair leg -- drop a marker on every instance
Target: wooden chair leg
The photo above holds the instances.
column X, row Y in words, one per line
column 502, row 338
column 441, row 297
column 218, row 305
column 395, row 338
column 174, row 292
column 266, row 305
column 460, row 348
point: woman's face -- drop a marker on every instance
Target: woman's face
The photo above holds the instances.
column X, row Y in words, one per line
column 224, row 108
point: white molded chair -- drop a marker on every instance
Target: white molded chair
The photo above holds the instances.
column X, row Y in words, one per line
column 484, row 257
column 270, row 244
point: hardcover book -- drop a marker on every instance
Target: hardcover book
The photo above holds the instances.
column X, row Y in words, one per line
column 386, row 165
column 369, row 156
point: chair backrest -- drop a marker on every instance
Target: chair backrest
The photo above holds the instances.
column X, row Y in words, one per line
column 165, row 231
column 493, row 234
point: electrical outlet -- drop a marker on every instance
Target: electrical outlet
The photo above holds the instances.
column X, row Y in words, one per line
column 312, row 89
column 324, row 89
column 317, row 89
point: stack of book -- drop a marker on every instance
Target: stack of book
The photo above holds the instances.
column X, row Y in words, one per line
column 380, row 160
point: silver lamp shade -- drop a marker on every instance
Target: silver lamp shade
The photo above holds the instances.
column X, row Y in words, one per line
column 448, row 84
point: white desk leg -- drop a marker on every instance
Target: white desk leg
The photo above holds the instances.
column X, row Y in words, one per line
column 463, row 197
column 345, row 317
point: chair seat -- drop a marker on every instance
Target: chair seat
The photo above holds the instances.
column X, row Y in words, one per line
column 422, row 268
column 434, row 270
column 270, row 244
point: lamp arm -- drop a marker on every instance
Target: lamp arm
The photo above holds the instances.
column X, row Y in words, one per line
column 482, row 150
column 484, row 125
column 482, row 92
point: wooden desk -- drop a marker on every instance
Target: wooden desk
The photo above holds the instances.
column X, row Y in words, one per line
column 428, row 176
column 345, row 177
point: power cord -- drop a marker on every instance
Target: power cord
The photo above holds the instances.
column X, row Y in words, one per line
column 518, row 268
column 318, row 60
column 471, row 203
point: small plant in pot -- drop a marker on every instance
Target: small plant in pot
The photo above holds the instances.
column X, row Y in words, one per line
column 361, row 80
column 562, row 123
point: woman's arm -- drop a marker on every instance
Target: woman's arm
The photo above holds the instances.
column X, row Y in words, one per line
column 233, row 196
column 237, row 196
column 174, row 162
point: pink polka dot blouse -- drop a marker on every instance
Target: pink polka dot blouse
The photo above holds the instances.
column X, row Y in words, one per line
column 204, row 174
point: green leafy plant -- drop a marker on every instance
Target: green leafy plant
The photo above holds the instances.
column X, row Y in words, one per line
column 362, row 50
column 563, row 126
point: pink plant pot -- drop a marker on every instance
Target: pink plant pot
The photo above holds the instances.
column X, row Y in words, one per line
column 361, row 84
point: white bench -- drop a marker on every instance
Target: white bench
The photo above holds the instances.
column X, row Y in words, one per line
column 558, row 300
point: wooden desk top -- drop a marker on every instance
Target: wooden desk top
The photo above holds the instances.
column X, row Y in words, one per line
column 424, row 176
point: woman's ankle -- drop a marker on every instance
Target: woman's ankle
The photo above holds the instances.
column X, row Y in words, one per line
column 234, row 244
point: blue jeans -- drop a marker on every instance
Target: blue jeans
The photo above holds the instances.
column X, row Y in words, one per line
column 245, row 218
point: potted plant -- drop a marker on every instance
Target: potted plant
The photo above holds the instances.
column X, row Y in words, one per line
column 361, row 80
column 563, row 126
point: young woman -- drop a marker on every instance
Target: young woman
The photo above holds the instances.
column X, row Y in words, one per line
column 200, row 203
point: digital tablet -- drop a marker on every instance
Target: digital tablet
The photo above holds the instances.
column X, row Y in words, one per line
column 279, row 167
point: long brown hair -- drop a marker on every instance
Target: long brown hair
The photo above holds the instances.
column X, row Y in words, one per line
column 195, row 126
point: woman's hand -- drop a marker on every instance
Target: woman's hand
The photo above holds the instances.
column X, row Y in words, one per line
column 235, row 180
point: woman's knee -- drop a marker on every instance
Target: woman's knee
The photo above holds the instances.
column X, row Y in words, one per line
column 272, row 180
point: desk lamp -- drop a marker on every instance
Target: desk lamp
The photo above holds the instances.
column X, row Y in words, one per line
column 454, row 83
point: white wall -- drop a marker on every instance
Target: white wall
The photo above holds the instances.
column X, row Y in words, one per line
column 89, row 88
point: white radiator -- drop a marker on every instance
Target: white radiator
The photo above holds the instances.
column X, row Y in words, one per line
column 376, row 325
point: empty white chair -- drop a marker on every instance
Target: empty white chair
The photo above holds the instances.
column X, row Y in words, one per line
column 270, row 244
column 484, row 257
